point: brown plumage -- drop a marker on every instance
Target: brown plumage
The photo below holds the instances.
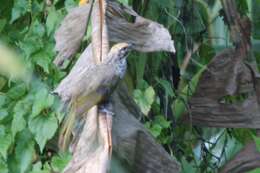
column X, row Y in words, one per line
column 93, row 86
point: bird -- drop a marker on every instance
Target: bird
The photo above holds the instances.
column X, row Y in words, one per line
column 93, row 86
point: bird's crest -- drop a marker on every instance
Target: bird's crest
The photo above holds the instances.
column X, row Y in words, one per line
column 119, row 46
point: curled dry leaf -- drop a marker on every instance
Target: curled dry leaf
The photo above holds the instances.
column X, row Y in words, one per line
column 70, row 34
column 226, row 95
column 131, row 139
column 146, row 35
column 246, row 160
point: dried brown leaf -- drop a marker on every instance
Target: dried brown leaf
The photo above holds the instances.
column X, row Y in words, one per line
column 69, row 35
column 247, row 159
column 226, row 75
column 146, row 35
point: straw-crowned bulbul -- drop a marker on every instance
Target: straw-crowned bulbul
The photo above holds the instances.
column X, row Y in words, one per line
column 95, row 86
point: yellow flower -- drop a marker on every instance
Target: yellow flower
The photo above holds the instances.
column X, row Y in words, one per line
column 82, row 2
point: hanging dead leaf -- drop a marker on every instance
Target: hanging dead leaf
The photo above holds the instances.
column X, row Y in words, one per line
column 70, row 34
column 146, row 35
column 226, row 94
column 246, row 160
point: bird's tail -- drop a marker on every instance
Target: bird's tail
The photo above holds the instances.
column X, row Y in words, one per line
column 67, row 127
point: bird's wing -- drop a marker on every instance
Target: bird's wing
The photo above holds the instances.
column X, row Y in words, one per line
column 100, row 79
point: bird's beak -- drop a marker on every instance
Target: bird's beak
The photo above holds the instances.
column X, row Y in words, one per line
column 130, row 45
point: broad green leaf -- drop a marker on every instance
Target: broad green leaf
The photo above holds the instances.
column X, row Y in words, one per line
column 37, row 168
column 144, row 99
column 17, row 91
column 142, row 85
column 24, row 151
column 6, row 141
column 3, row 166
column 187, row 167
column 156, row 130
column 21, row 109
column 42, row 59
column 3, row 114
column 53, row 20
column 2, row 24
column 70, row 4
column 162, row 121
column 2, row 100
column 43, row 128
column 19, row 9
column 141, row 101
column 42, row 100
column 37, row 29
column 59, row 162
column 18, row 123
column 31, row 45
column 149, row 95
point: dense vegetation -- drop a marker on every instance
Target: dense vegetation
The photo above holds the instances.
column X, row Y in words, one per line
column 160, row 82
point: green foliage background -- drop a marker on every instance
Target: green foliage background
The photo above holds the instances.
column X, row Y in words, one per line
column 30, row 116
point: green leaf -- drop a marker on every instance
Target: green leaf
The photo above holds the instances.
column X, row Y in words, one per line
column 70, row 4
column 257, row 142
column 162, row 121
column 53, row 20
column 156, row 130
column 255, row 171
column 144, row 99
column 3, row 114
column 42, row 59
column 37, row 168
column 2, row 100
column 30, row 45
column 37, row 29
column 18, row 123
column 59, row 162
column 43, row 128
column 2, row 24
column 24, row 151
column 149, row 95
column 187, row 167
column 6, row 141
column 3, row 166
column 166, row 86
column 19, row 9
column 42, row 100
column 22, row 108
column 17, row 91
column 141, row 101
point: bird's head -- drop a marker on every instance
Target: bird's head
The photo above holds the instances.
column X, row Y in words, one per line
column 117, row 56
column 119, row 51
column 122, row 49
